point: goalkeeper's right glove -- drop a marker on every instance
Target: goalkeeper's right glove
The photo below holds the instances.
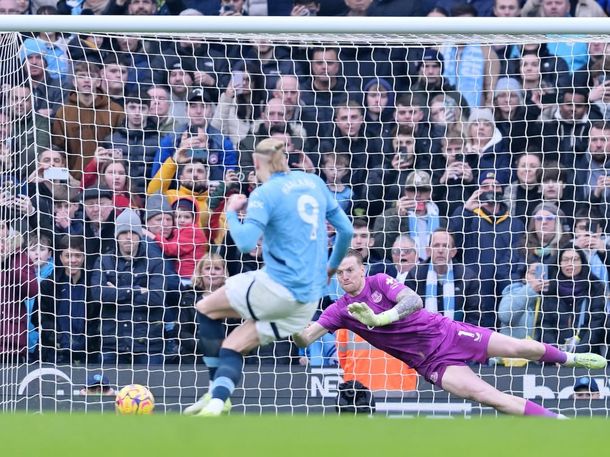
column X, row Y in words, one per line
column 363, row 313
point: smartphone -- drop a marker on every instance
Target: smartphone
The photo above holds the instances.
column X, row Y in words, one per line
column 593, row 227
column 459, row 157
column 542, row 272
column 56, row 174
column 238, row 82
column 403, row 152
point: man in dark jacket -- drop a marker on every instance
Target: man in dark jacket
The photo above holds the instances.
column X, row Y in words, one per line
column 130, row 285
column 449, row 288
column 485, row 234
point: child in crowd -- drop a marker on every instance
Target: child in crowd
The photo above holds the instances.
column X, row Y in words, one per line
column 187, row 243
column 210, row 274
column 335, row 168
column 40, row 256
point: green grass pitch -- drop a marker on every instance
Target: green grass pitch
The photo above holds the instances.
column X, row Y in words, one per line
column 176, row 436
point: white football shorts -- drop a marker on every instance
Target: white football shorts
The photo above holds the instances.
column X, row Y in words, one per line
column 254, row 295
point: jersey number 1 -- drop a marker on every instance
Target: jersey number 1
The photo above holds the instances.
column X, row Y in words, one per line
column 309, row 209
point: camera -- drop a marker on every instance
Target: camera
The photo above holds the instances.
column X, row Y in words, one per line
column 489, row 197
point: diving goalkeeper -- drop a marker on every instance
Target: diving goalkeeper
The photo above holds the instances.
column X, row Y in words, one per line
column 389, row 316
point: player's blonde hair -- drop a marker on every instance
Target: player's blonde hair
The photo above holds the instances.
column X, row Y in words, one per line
column 275, row 152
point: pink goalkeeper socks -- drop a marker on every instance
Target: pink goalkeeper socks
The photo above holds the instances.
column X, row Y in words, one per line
column 534, row 409
column 553, row 355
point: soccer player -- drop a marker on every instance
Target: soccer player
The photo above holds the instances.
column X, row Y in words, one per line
column 289, row 210
column 389, row 316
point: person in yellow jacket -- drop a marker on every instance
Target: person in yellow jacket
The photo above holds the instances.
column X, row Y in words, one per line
column 191, row 169
column 372, row 367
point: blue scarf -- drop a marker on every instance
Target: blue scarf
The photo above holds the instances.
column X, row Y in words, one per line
column 431, row 303
column 432, row 223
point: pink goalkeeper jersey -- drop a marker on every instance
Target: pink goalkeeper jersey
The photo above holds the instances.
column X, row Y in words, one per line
column 415, row 340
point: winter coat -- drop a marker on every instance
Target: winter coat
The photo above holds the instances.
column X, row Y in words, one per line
column 561, row 318
column 186, row 244
column 78, row 129
column 17, row 283
column 68, row 318
column 520, row 311
column 132, row 321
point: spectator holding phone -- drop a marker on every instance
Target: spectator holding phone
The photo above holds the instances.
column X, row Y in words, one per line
column 305, row 8
column 385, row 185
column 103, row 153
column 199, row 140
column 453, row 178
column 485, row 235
column 239, row 105
column 414, row 214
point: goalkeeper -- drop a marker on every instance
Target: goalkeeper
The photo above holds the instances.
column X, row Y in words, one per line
column 389, row 316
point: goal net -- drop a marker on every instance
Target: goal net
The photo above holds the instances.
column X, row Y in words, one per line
column 474, row 167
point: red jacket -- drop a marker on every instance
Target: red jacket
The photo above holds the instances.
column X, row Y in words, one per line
column 186, row 244
column 17, row 282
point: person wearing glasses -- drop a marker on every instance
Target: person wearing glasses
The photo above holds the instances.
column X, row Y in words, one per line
column 446, row 287
column 574, row 316
column 404, row 256
column 546, row 233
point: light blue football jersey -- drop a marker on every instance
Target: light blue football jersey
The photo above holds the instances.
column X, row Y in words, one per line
column 291, row 209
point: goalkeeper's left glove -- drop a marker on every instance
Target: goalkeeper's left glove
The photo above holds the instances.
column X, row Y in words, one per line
column 361, row 312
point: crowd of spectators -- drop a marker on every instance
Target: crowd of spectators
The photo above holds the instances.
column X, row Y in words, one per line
column 477, row 174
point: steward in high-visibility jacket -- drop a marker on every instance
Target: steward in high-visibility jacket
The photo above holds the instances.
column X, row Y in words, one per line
column 372, row 367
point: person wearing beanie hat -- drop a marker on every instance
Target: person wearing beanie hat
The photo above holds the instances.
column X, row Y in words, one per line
column 510, row 114
column 487, row 148
column 128, row 221
column 156, row 204
column 431, row 82
column 131, row 284
column 510, row 85
column 158, row 217
column 378, row 105
column 187, row 243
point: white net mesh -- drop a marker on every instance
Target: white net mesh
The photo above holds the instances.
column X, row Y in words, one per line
column 501, row 139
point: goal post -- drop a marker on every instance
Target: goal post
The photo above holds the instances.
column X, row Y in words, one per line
column 122, row 138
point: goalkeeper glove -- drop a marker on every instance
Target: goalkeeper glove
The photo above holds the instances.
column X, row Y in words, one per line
column 361, row 312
